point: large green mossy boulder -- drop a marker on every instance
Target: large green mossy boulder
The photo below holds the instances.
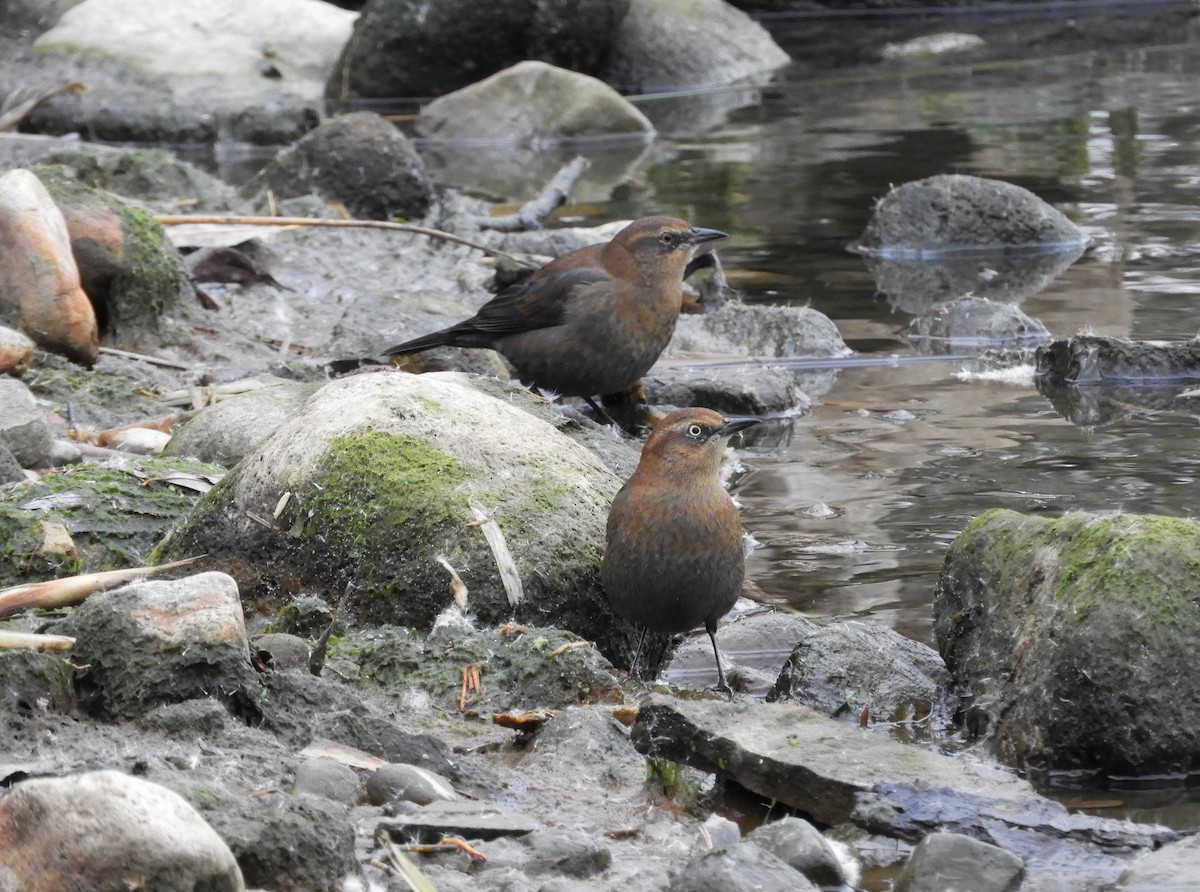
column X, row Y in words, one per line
column 364, row 496
column 1075, row 637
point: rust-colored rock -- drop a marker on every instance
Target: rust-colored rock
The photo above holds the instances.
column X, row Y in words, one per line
column 40, row 286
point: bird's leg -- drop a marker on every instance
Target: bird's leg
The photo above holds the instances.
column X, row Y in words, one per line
column 604, row 416
column 722, row 684
column 637, row 655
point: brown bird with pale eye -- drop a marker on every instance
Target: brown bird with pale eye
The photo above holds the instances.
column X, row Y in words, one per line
column 591, row 322
column 674, row 557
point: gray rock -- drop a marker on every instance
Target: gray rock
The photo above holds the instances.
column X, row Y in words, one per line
column 533, row 103
column 840, row 668
column 408, row 783
column 1089, row 613
column 731, row 391
column 955, row 212
column 358, row 160
column 10, row 468
column 287, row 841
column 262, row 79
column 951, row 862
column 63, row 452
column 753, row 336
column 327, row 778
column 749, row 641
column 760, row 331
column 34, row 681
column 1173, row 868
column 801, row 845
column 452, row 43
column 662, row 44
column 1096, row 359
column 117, row 831
column 301, row 706
column 840, row 774
column 23, row 428
column 473, row 820
column 374, row 451
column 577, row 855
column 224, row 432
column 155, row 642
column 742, row 867
column 279, row 650
column 720, row 831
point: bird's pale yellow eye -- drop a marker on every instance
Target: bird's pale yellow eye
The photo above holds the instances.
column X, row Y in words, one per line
column 695, row 431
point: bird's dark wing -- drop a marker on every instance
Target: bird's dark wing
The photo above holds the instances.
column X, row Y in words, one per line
column 537, row 302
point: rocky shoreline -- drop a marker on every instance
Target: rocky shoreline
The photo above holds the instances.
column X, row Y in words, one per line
column 342, row 693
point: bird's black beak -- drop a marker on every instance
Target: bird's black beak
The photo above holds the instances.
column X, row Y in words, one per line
column 736, row 423
column 698, row 235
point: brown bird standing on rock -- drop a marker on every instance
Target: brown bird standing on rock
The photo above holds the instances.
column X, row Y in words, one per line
column 674, row 557
column 591, row 322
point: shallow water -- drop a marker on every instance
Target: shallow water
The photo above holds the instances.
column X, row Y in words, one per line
column 905, row 456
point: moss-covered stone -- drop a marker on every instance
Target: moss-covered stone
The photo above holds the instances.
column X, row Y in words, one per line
column 361, row 495
column 113, row 514
column 1075, row 637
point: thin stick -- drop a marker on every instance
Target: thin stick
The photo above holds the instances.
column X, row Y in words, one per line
column 73, row 589
column 220, row 220
column 153, row 360
column 536, row 210
column 509, row 575
column 32, row 641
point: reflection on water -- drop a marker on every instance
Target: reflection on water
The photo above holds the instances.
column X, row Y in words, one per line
column 905, row 456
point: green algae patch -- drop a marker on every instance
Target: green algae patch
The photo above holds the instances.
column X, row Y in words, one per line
column 113, row 515
column 373, row 488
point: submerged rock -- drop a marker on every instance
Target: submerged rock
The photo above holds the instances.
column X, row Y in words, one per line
column 918, row 284
column 1094, row 618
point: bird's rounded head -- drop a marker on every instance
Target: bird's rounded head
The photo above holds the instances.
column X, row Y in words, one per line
column 693, row 438
column 662, row 243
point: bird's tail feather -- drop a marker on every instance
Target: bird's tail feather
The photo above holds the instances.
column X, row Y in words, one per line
column 444, row 338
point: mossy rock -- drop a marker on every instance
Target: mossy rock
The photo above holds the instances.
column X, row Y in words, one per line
column 134, row 276
column 359, row 496
column 1076, row 638
column 113, row 515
